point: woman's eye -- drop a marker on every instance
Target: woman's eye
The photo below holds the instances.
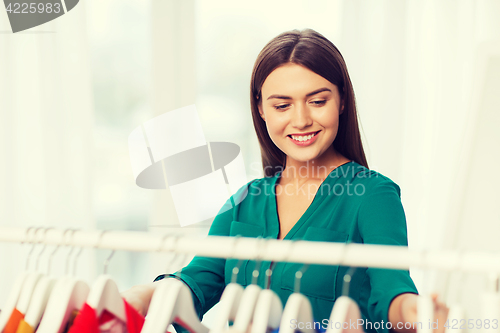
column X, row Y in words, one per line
column 319, row 103
column 281, row 107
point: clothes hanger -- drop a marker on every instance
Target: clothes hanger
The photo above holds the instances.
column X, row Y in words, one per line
column 457, row 313
column 31, row 281
column 425, row 313
column 345, row 308
column 490, row 299
column 425, row 309
column 169, row 264
column 41, row 294
column 172, row 301
column 68, row 294
column 456, row 316
column 297, row 307
column 268, row 309
column 230, row 299
column 249, row 298
column 104, row 294
column 16, row 289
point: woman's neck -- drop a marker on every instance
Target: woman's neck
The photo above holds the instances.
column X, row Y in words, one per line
column 317, row 169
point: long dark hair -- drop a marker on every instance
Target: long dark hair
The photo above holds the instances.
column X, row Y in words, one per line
column 313, row 51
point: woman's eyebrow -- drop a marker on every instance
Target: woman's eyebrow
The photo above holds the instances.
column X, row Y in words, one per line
column 317, row 91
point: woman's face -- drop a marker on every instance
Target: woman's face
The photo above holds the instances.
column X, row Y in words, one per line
column 301, row 110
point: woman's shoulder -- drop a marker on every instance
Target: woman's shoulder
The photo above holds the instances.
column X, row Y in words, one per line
column 256, row 188
column 373, row 180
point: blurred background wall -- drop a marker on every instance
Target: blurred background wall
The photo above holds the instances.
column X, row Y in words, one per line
column 425, row 74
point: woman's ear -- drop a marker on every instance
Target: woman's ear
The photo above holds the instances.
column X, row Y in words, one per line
column 341, row 107
column 261, row 112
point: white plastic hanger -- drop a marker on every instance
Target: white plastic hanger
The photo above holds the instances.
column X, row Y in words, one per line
column 41, row 295
column 268, row 312
column 297, row 308
column 249, row 298
column 68, row 294
column 490, row 300
column 268, row 309
column 172, row 301
column 230, row 300
column 104, row 294
column 425, row 307
column 345, row 310
column 11, row 302
column 31, row 282
column 247, row 307
column 27, row 291
column 17, row 288
column 39, row 300
column 425, row 313
column 229, row 304
column 456, row 314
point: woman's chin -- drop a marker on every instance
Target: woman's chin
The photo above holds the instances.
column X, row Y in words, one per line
column 302, row 158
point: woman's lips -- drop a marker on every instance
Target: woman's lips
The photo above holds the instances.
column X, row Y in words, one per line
column 304, row 143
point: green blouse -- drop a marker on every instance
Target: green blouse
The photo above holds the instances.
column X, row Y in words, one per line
column 353, row 204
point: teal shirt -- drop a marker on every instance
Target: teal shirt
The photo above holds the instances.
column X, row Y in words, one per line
column 353, row 204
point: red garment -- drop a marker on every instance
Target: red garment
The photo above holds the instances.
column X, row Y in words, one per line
column 87, row 321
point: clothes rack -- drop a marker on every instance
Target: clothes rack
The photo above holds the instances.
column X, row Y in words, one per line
column 312, row 252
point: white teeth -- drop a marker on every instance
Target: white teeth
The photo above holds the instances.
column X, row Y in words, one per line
column 303, row 138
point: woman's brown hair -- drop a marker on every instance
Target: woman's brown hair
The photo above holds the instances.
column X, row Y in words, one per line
column 313, row 51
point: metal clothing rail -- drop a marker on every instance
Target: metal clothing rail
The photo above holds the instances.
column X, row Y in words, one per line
column 312, row 252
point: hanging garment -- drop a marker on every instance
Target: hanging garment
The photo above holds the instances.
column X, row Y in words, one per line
column 24, row 327
column 14, row 320
column 71, row 320
column 87, row 321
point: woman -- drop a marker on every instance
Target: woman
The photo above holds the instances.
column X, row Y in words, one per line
column 317, row 187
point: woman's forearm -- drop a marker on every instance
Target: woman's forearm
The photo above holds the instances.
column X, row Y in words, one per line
column 139, row 297
column 396, row 314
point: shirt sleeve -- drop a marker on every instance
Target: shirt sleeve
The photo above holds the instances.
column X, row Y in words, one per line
column 382, row 220
column 204, row 275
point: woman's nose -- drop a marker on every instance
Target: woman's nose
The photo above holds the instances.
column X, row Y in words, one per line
column 301, row 117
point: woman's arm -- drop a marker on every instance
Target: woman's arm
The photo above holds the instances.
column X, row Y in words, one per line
column 403, row 309
column 139, row 297
column 381, row 220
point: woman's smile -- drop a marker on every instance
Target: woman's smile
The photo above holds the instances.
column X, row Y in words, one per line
column 304, row 139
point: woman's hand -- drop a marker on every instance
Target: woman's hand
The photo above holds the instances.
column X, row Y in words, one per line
column 403, row 309
column 140, row 296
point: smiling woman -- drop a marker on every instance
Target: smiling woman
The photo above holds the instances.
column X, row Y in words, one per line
column 304, row 114
column 304, row 74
